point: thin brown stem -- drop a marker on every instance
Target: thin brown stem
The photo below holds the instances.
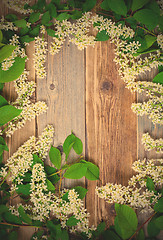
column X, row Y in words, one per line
column 17, row 225
column 142, row 225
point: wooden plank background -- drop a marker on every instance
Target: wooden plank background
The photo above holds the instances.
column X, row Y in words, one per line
column 85, row 95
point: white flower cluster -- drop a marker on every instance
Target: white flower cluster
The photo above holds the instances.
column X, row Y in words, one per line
column 18, row 5
column 136, row 193
column 4, row 25
column 18, row 52
column 153, row 108
column 160, row 41
column 24, row 89
column 150, row 143
column 40, row 56
column 20, row 162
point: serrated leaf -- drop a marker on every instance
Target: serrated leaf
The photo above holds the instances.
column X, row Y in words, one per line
column 24, row 189
column 140, row 235
column 81, row 191
column 118, row 6
column 100, row 228
column 24, row 217
column 160, row 68
column 159, row 222
column 34, row 17
column 51, row 32
column 35, row 32
column 68, row 143
column 102, row 36
column 126, row 221
column 10, row 218
column 137, row 4
column 50, row 186
column 55, row 157
column 13, row 235
column 78, row 146
column 161, row 23
column 26, row 39
column 2, row 142
column 36, row 159
column 14, row 72
column 153, row 5
column 21, row 23
column 24, row 31
column 72, row 221
column 147, row 17
column 45, row 18
column 3, row 101
column 76, row 171
column 11, row 17
column 89, row 5
column 50, row 170
column 6, row 51
column 152, row 229
column 147, row 43
column 110, row 235
column 7, row 113
column 3, row 208
column 92, row 172
column 105, row 5
column 52, row 10
column 150, row 184
column 63, row 16
column 1, row 36
column 158, row 207
column 158, row 78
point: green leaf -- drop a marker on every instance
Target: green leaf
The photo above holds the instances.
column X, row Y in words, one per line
column 161, row 23
column 110, row 235
column 100, row 228
column 140, row 235
column 118, row 6
column 1, row 36
column 11, row 17
column 50, row 170
column 147, row 43
column 72, row 221
column 148, row 51
column 68, row 143
column 23, row 216
column 13, row 235
column 27, row 177
column 45, row 18
column 6, row 51
column 160, row 68
column 105, row 5
column 24, row 189
column 158, row 207
column 76, row 171
column 81, row 191
column 21, row 23
column 137, row 4
column 26, row 39
column 153, row 231
column 159, row 222
column 51, row 32
column 153, row 5
column 37, row 234
column 36, row 159
column 7, row 113
column 89, row 5
column 34, row 17
column 41, row 4
column 126, row 221
column 55, row 157
column 3, row 208
column 34, row 32
column 158, row 78
column 78, row 146
column 1, row 86
column 147, row 17
column 52, row 10
column 3, row 101
column 150, row 184
column 2, row 142
column 14, row 72
column 24, row 31
column 10, row 218
column 92, row 172
column 102, row 36
column 63, row 16
column 50, row 186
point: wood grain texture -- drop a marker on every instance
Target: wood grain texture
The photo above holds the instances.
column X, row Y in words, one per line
column 64, row 92
column 110, row 127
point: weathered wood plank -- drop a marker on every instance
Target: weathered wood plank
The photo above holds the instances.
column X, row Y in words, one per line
column 64, row 92
column 110, row 126
column 22, row 135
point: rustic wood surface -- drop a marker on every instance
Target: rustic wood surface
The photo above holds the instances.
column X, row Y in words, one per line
column 85, row 95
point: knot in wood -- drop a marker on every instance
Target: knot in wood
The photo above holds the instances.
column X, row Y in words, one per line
column 106, row 86
column 52, row 86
